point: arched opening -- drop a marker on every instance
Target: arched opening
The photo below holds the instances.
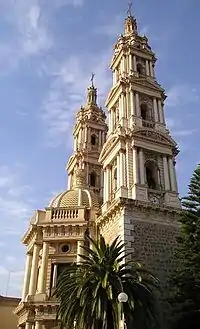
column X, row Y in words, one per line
column 93, row 179
column 140, row 68
column 152, row 175
column 115, row 178
column 93, row 139
column 144, row 111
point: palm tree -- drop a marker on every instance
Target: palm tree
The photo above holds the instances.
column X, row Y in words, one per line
column 88, row 293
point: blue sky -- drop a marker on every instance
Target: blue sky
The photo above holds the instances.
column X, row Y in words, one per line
column 48, row 49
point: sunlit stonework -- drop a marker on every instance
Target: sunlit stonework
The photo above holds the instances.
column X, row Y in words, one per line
column 121, row 182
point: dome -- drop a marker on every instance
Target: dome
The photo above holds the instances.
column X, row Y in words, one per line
column 78, row 196
column 75, row 198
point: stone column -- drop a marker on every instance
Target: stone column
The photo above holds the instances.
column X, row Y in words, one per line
column 166, row 174
column 160, row 110
column 141, row 162
column 132, row 102
column 118, row 171
column 104, row 185
column 151, row 69
column 28, row 325
column 128, row 174
column 175, row 178
column 27, row 276
column 34, row 270
column 69, row 181
column 135, row 166
column 134, row 63
column 89, row 136
column 100, row 138
column 54, row 281
column 80, row 251
column 130, row 62
column 38, row 325
column 85, row 134
column 122, row 169
column 43, row 269
column 108, row 184
column 122, row 106
column 103, row 138
column 114, row 77
column 155, row 109
column 137, row 100
column 147, row 67
column 123, row 64
column 171, row 174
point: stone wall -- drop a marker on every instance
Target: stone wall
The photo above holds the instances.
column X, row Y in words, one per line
column 152, row 236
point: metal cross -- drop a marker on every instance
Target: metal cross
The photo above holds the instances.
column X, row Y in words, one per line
column 129, row 12
column 92, row 79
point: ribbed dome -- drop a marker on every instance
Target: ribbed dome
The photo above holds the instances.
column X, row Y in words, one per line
column 78, row 196
column 75, row 198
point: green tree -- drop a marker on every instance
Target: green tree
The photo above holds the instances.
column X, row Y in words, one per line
column 88, row 293
column 185, row 282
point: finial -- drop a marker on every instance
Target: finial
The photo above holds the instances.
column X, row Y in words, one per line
column 92, row 79
column 129, row 11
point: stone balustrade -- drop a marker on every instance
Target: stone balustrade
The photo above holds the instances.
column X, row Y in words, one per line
column 64, row 214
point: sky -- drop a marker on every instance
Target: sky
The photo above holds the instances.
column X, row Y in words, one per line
column 48, row 49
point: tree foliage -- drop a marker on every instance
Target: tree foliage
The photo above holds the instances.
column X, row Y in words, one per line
column 88, row 293
column 185, row 282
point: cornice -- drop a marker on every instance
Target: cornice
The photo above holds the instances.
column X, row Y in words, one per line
column 141, row 206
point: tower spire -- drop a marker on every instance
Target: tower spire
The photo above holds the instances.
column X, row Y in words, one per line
column 130, row 22
column 92, row 92
column 129, row 11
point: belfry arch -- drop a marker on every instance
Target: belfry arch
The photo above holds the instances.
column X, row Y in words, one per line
column 152, row 173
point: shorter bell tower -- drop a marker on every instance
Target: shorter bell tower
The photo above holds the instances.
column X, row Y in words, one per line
column 89, row 137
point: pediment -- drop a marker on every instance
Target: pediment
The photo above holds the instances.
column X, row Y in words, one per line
column 155, row 136
column 108, row 146
column 148, row 83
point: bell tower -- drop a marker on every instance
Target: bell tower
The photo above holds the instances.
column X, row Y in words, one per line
column 140, row 201
column 139, row 155
column 89, row 137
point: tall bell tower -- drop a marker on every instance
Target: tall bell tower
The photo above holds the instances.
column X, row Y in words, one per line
column 89, row 137
column 140, row 201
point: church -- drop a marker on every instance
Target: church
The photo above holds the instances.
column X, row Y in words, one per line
column 121, row 182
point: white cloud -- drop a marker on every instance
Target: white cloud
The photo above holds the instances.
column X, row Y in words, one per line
column 112, row 28
column 181, row 95
column 11, row 281
column 16, row 206
column 67, row 93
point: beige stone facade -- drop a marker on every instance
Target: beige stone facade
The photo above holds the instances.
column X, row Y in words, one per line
column 121, row 182
column 8, row 320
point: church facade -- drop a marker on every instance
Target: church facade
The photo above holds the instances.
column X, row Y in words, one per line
column 121, row 182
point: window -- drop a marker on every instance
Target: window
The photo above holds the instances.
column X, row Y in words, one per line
column 93, row 140
column 152, row 175
column 65, row 248
column 140, row 68
column 115, row 178
column 144, row 111
column 93, row 179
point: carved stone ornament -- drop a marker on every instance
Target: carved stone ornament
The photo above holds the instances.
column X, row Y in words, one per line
column 154, row 199
column 146, row 100
column 155, row 136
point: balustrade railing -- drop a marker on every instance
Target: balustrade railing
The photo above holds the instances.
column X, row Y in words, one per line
column 64, row 213
column 148, row 124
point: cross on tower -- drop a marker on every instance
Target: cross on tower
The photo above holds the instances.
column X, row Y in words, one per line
column 92, row 79
column 129, row 11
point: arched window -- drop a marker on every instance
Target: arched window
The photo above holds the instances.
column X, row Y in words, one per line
column 93, row 139
column 152, row 175
column 93, row 179
column 140, row 68
column 115, row 178
column 144, row 111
